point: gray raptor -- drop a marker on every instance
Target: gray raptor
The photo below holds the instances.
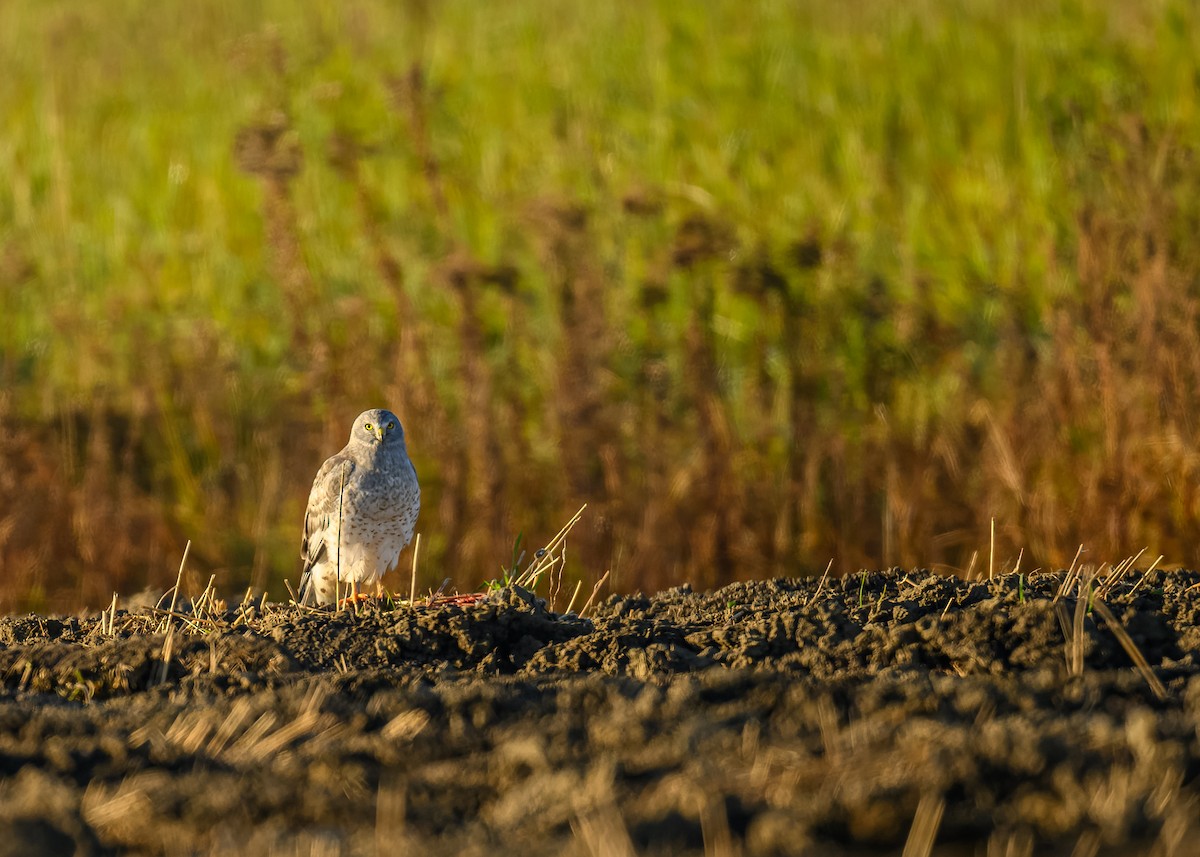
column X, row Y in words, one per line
column 361, row 511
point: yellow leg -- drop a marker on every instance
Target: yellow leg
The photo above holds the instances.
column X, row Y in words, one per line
column 353, row 596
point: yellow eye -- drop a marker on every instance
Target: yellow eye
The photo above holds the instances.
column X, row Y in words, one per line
column 391, row 426
column 369, row 427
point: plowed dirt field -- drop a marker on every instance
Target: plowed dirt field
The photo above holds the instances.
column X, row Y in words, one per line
column 885, row 712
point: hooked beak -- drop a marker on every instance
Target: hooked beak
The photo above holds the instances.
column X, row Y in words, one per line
column 378, row 432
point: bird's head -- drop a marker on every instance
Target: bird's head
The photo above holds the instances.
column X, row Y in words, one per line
column 377, row 426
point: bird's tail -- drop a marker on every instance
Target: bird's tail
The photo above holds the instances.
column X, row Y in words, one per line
column 304, row 595
column 311, row 554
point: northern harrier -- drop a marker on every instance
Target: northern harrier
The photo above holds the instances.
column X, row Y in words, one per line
column 361, row 511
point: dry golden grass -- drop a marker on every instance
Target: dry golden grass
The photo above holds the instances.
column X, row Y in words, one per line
column 584, row 268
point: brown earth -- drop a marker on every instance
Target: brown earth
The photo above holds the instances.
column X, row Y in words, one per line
column 863, row 715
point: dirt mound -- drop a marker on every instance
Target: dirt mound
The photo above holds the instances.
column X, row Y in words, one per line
column 777, row 717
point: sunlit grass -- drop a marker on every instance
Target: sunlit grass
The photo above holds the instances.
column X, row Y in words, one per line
column 952, row 199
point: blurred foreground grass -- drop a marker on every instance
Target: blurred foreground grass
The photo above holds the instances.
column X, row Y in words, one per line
column 765, row 283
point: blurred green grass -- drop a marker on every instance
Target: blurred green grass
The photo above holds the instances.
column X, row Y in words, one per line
column 765, row 282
